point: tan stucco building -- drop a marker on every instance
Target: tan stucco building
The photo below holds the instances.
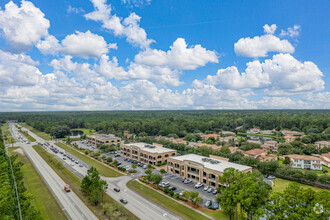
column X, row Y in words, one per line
column 201, row 169
column 147, row 153
column 106, row 139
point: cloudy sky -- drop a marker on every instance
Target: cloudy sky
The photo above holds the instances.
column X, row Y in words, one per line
column 164, row 54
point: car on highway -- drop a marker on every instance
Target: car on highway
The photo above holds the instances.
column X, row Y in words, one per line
column 116, row 189
column 80, row 165
column 72, row 164
column 76, row 162
column 67, row 188
column 64, row 158
column 123, row 201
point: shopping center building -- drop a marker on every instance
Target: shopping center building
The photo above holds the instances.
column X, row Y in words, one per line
column 107, row 139
column 147, row 153
column 201, row 169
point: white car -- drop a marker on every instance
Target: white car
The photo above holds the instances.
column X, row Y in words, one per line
column 206, row 188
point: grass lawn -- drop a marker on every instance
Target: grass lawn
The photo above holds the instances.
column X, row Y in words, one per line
column 29, row 137
column 5, row 127
column 43, row 199
column 75, row 182
column 216, row 214
column 103, row 169
column 37, row 132
column 175, row 207
column 281, row 184
column 85, row 130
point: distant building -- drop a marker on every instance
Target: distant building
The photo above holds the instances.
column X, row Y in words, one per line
column 128, row 135
column 147, row 153
column 291, row 133
column 227, row 139
column 270, row 145
column 322, row 144
column 290, row 138
column 305, row 162
column 269, row 132
column 201, row 169
column 106, row 139
column 325, row 159
column 213, row 146
column 253, row 131
column 228, row 133
column 254, row 142
column 207, row 136
column 260, row 154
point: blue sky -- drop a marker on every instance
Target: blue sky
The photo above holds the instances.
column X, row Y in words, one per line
column 147, row 54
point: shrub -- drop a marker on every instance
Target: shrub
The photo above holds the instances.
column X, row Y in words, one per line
column 132, row 171
column 122, row 168
column 177, row 196
column 311, row 176
column 166, row 190
column 171, row 193
column 324, row 179
column 162, row 171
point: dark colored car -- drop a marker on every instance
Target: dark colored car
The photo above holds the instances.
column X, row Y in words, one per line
column 172, row 188
column 123, row 201
column 215, row 205
column 208, row 203
column 117, row 189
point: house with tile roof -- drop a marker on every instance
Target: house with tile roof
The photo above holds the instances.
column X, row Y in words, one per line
column 305, row 162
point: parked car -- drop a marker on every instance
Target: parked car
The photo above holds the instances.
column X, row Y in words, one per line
column 117, row 155
column 80, row 165
column 166, row 184
column 76, row 162
column 172, row 188
column 64, row 158
column 271, row 177
column 199, row 185
column 145, row 166
column 187, row 181
column 215, row 192
column 116, row 189
column 123, row 201
column 215, row 205
column 209, row 190
column 208, row 203
column 206, row 188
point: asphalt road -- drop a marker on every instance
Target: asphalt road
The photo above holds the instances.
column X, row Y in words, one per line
column 137, row 204
column 70, row 202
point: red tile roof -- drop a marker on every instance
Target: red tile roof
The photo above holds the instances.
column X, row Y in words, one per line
column 255, row 152
column 302, row 157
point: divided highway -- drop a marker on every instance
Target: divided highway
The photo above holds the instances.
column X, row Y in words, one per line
column 137, row 204
column 70, row 202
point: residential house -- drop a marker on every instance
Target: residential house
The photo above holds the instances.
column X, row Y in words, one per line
column 305, row 162
column 269, row 132
column 290, row 138
column 213, row 146
column 291, row 133
column 253, row 131
column 260, row 154
column 322, row 144
column 228, row 133
column 227, row 139
column 270, row 145
column 325, row 159
column 207, row 136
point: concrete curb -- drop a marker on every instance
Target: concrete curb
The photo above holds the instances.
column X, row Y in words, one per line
column 202, row 213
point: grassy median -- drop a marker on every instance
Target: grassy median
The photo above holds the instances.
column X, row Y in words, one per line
column 169, row 204
column 103, row 169
column 41, row 134
column 43, row 199
column 75, row 182
column 29, row 137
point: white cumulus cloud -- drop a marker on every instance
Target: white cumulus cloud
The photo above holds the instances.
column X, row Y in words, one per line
column 260, row 46
column 179, row 56
column 291, row 31
column 85, row 45
column 23, row 26
column 129, row 27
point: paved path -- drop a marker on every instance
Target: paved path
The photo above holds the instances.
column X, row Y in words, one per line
column 70, row 202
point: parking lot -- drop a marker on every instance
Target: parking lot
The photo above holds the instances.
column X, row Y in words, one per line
column 181, row 187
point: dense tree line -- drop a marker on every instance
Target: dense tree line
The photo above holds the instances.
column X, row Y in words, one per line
column 179, row 123
column 8, row 201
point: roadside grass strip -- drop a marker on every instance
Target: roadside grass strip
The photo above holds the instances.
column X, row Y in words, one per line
column 42, row 199
column 169, row 204
column 75, row 182
column 41, row 134
column 103, row 169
